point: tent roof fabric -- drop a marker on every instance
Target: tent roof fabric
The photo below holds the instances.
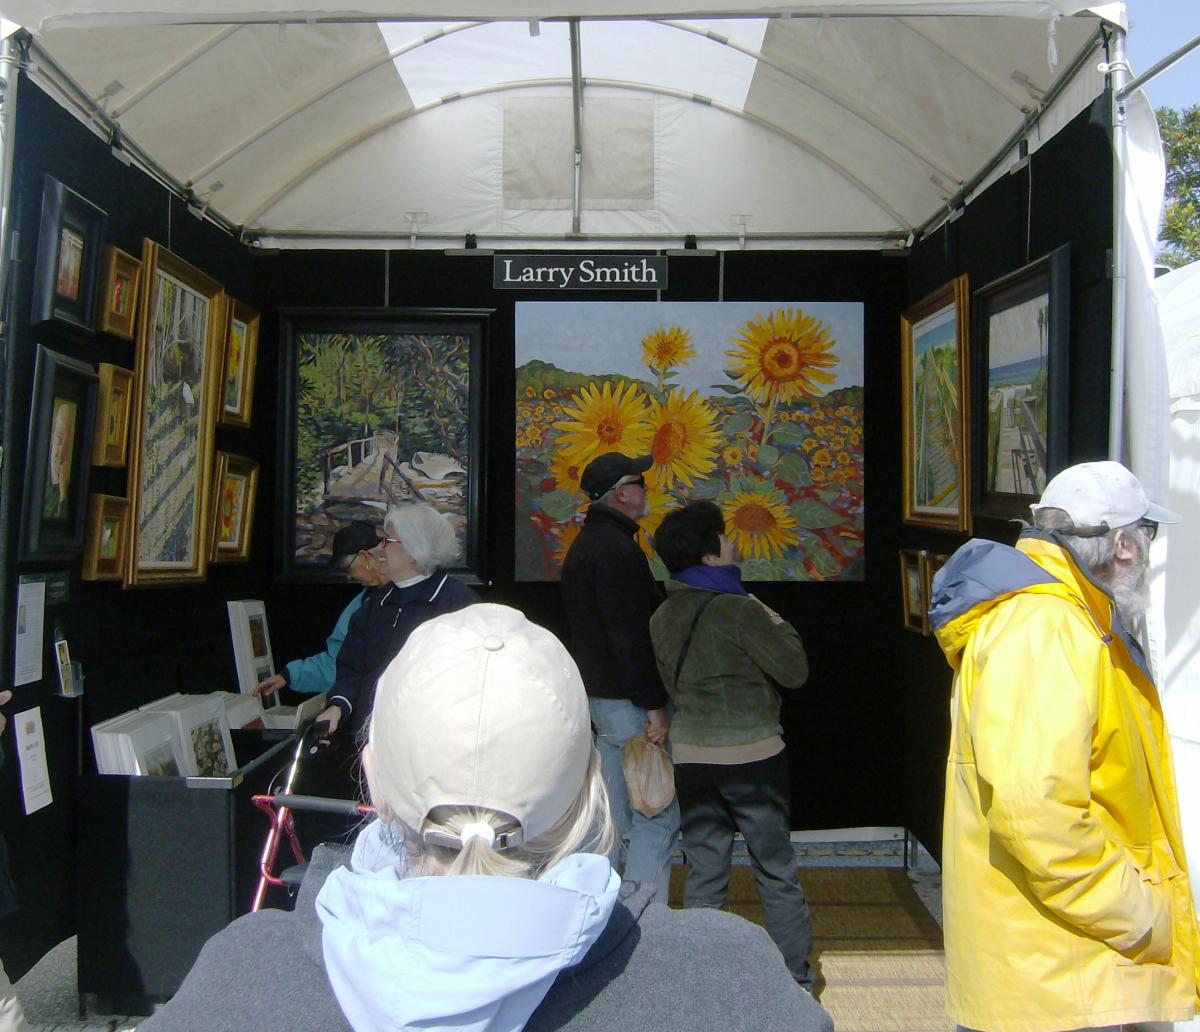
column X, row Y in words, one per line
column 854, row 121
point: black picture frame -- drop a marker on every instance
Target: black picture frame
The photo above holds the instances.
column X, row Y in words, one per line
column 1021, row 385
column 64, row 397
column 66, row 277
column 422, row 419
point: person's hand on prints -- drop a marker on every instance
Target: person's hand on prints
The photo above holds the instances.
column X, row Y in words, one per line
column 5, row 699
column 657, row 725
column 269, row 685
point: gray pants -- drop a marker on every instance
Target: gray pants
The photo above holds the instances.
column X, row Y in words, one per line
column 716, row 800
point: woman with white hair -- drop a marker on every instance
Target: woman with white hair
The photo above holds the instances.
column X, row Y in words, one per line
column 480, row 899
column 418, row 541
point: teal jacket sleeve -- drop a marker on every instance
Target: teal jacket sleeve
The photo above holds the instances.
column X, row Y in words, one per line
column 316, row 673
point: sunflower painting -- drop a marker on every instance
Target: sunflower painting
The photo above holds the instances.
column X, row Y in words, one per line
column 755, row 406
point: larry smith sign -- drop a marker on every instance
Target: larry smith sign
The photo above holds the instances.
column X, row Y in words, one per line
column 579, row 272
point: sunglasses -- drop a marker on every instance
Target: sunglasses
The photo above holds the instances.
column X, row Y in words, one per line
column 638, row 481
column 1150, row 527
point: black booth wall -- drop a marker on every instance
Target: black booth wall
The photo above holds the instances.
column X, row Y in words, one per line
column 867, row 734
column 1063, row 196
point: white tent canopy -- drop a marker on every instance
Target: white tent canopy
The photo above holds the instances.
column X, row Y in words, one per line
column 839, row 124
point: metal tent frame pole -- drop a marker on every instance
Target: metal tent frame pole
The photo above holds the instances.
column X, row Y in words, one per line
column 1118, row 71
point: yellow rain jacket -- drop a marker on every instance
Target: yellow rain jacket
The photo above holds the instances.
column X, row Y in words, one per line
column 1064, row 883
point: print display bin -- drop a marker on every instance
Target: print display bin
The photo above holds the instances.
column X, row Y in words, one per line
column 165, row 863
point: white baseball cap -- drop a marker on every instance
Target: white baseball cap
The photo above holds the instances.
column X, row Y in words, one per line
column 1101, row 496
column 481, row 708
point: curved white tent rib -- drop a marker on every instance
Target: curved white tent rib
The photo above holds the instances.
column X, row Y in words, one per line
column 382, row 125
column 844, row 104
column 321, row 94
column 166, row 74
column 998, row 89
column 42, row 15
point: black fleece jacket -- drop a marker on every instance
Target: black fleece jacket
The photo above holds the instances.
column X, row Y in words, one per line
column 609, row 594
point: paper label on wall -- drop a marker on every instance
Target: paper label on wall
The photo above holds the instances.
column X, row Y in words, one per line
column 31, row 612
column 31, row 759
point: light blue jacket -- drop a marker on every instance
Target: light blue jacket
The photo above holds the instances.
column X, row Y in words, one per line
column 316, row 673
column 465, row 953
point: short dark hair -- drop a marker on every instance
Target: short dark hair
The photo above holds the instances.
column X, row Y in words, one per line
column 687, row 535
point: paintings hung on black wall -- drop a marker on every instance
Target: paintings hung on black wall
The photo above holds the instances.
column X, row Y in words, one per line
column 67, row 273
column 58, row 457
column 935, row 407
column 378, row 407
column 756, row 406
column 180, row 333
column 1022, row 341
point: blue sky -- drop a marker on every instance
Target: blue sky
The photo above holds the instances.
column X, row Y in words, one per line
column 1157, row 27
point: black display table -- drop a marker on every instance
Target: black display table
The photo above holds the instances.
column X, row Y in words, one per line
column 165, row 863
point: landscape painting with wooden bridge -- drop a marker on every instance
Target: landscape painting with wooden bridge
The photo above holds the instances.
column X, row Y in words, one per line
column 380, row 418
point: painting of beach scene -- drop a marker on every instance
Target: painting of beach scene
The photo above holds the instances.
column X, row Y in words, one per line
column 756, row 406
column 1017, row 400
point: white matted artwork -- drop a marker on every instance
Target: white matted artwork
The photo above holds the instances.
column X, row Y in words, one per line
column 251, row 642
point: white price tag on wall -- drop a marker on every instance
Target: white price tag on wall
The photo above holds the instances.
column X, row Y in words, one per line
column 31, row 759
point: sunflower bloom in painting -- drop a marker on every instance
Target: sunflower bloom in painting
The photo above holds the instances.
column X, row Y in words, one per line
column 564, row 536
column 230, row 505
column 685, row 439
column 759, row 524
column 783, row 356
column 566, row 473
column 604, row 419
column 667, row 347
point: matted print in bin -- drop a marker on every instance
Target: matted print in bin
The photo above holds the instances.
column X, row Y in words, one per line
column 935, row 407
column 1022, row 341
column 178, row 364
column 378, row 407
column 756, row 406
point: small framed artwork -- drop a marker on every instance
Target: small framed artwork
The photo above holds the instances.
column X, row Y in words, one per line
column 1022, row 339
column 931, row 562
column 237, row 370
column 120, row 282
column 912, row 588
column 935, row 406
column 111, row 440
column 66, row 673
column 57, row 458
column 67, row 272
column 235, row 484
column 105, row 536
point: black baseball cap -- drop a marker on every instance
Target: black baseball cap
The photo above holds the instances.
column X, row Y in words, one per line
column 601, row 474
column 355, row 537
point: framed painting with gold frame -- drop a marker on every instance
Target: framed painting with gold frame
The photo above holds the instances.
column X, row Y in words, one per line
column 110, row 443
column 180, row 330
column 105, row 537
column 235, row 485
column 931, row 562
column 237, row 369
column 936, row 431
column 912, row 589
column 120, row 281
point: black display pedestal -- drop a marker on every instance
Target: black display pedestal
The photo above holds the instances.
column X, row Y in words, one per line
column 164, row 864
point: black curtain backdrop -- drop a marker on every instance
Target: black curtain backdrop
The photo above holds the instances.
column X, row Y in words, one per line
column 866, row 736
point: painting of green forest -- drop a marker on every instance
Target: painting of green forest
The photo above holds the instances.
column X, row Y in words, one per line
column 381, row 416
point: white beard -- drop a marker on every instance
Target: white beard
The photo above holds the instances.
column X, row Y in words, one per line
column 1130, row 587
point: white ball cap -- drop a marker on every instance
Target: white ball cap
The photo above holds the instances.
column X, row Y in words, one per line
column 1096, row 494
column 481, row 708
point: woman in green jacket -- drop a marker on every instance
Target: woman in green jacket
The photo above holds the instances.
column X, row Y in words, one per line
column 723, row 655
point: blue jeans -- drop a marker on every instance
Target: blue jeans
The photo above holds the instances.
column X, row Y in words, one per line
column 651, row 839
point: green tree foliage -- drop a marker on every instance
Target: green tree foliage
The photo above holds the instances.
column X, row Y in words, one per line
column 1180, row 233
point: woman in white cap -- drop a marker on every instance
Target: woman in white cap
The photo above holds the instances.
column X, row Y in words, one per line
column 481, row 898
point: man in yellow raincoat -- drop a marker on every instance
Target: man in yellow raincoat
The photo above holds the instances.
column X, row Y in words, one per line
column 1065, row 887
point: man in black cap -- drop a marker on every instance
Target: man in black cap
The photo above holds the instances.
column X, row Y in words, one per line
column 353, row 556
column 609, row 595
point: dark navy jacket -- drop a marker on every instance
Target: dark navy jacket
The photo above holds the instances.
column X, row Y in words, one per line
column 379, row 629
